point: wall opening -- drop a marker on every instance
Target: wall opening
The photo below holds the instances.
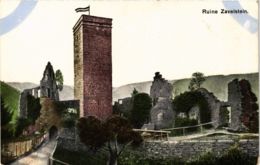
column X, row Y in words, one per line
column 53, row 132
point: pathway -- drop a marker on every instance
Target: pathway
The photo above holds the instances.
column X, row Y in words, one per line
column 206, row 133
column 39, row 157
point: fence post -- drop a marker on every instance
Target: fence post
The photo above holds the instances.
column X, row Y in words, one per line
column 201, row 129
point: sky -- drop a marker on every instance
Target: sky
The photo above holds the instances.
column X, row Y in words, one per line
column 172, row 37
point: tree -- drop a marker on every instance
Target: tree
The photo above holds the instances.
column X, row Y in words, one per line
column 33, row 108
column 7, row 128
column 140, row 113
column 196, row 80
column 59, row 79
column 135, row 92
column 6, row 116
column 115, row 133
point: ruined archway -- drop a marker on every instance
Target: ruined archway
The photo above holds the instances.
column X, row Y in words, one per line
column 53, row 132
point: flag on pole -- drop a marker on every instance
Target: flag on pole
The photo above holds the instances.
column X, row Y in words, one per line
column 84, row 9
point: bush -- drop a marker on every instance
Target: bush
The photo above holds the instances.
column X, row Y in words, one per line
column 131, row 157
column 234, row 156
column 21, row 124
column 182, row 122
column 185, row 101
column 142, row 104
column 33, row 108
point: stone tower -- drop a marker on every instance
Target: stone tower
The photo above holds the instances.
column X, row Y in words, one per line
column 93, row 65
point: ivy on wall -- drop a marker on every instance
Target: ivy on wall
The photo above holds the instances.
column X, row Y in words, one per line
column 185, row 101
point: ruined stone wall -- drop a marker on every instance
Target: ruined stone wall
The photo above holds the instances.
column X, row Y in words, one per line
column 193, row 148
column 214, row 106
column 48, row 84
column 160, row 88
column 162, row 114
column 68, row 139
column 23, row 100
column 234, row 99
column 95, row 83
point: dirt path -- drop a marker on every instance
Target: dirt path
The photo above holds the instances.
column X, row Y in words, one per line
column 39, row 157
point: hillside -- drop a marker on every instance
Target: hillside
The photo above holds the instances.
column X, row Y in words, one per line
column 10, row 98
column 216, row 84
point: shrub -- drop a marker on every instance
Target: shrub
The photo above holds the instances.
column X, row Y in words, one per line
column 182, row 122
column 142, row 104
column 185, row 101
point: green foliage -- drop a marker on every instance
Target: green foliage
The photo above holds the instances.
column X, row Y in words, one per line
column 79, row 157
column 197, row 79
column 116, row 109
column 185, row 101
column 91, row 132
column 69, row 118
column 21, row 124
column 10, row 97
column 95, row 134
column 142, row 104
column 218, row 84
column 132, row 157
column 116, row 133
column 235, row 156
column 207, row 158
column 182, row 122
column 6, row 116
column 59, row 79
column 7, row 128
column 33, row 108
column 135, row 92
column 9, row 110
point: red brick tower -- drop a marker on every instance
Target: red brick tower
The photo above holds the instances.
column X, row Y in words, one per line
column 93, row 65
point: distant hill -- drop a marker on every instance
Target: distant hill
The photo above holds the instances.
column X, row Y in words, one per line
column 10, row 98
column 216, row 84
column 65, row 94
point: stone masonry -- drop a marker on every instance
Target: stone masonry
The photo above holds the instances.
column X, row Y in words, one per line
column 235, row 98
column 48, row 89
column 186, row 149
column 93, row 65
column 215, row 107
column 48, row 84
column 162, row 114
column 192, row 148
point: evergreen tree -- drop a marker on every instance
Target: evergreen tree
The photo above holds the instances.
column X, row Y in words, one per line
column 140, row 113
column 59, row 79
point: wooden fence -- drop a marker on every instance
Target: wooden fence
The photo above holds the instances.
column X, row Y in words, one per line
column 14, row 149
column 184, row 130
